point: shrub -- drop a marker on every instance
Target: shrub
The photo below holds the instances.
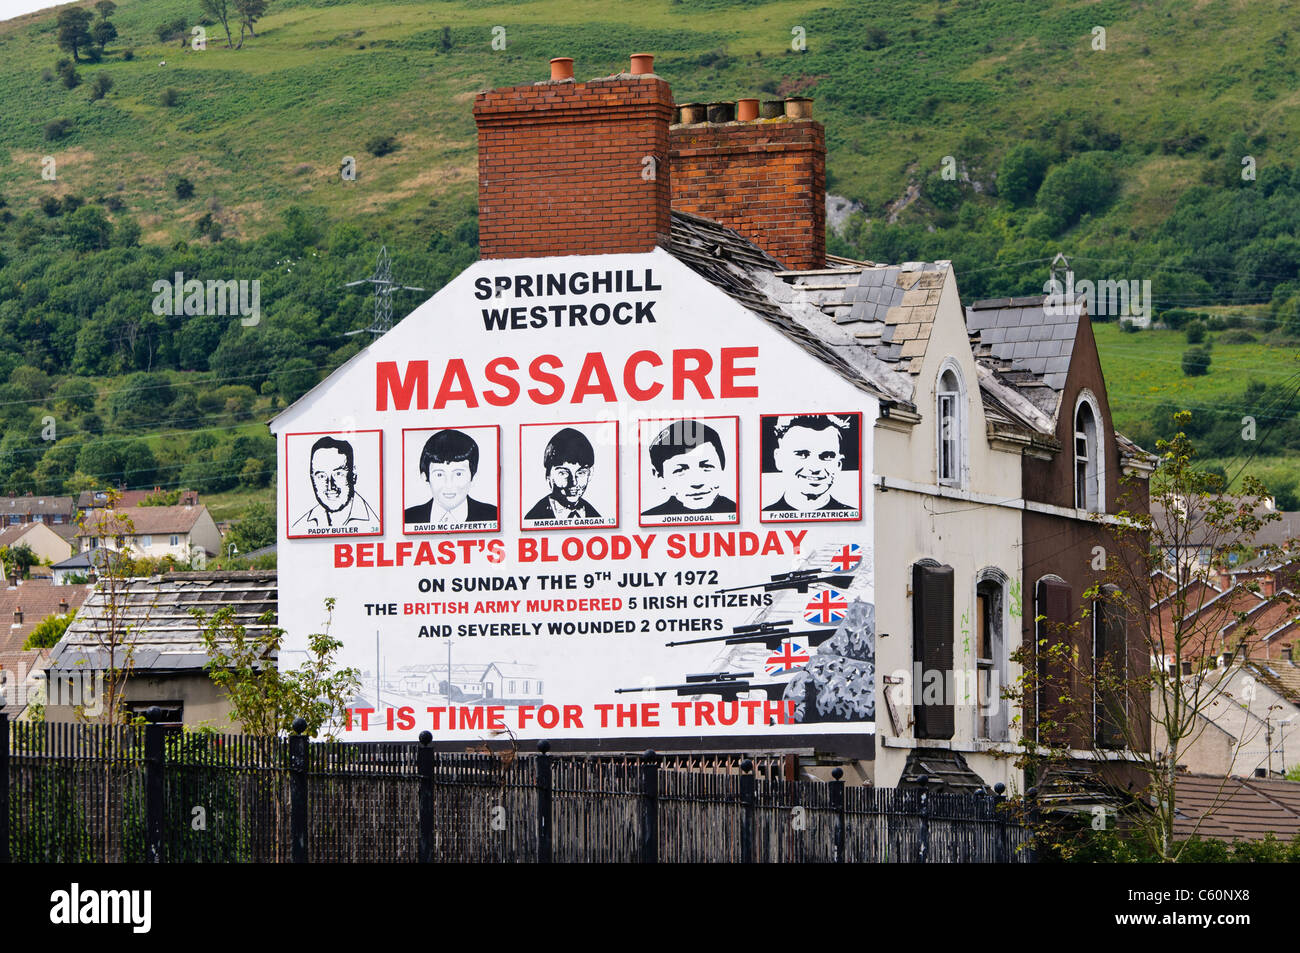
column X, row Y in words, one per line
column 1195, row 332
column 876, row 38
column 71, row 79
column 1021, row 173
column 100, row 86
column 942, row 193
column 168, row 97
column 171, row 29
column 1215, row 323
column 51, row 206
column 184, row 188
column 1081, row 186
column 128, row 55
column 1237, row 336
column 1196, row 362
column 381, row 145
column 1127, row 327
column 57, row 129
column 208, row 227
column 47, row 75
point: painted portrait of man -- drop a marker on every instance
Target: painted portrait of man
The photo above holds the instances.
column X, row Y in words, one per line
column 449, row 462
column 333, row 475
column 809, row 456
column 689, row 459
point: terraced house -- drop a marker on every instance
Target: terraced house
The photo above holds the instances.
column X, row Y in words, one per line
column 889, row 486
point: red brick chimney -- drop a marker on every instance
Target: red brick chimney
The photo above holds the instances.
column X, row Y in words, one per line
column 569, row 168
column 766, row 178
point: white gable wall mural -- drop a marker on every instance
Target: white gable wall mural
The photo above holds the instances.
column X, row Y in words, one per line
column 583, row 498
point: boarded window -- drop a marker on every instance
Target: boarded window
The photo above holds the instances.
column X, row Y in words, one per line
column 932, row 642
column 1054, row 685
column 1110, row 668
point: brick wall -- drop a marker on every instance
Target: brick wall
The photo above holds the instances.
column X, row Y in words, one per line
column 561, row 170
column 765, row 179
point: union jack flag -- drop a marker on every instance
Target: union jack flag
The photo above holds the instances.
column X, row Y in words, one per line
column 791, row 655
column 847, row 559
column 826, row 608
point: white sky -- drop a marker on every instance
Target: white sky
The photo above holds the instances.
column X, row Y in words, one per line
column 15, row 8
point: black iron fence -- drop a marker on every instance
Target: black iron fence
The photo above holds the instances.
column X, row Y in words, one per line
column 95, row 793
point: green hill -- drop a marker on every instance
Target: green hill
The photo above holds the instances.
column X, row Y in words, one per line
column 899, row 86
column 225, row 162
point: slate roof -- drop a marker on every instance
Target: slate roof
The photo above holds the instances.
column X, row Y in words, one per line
column 38, row 599
column 82, row 560
column 887, row 313
column 1198, row 532
column 28, row 505
column 1028, row 343
column 1243, row 808
column 940, row 772
column 888, row 309
column 89, row 499
column 157, row 611
column 746, row 273
column 148, row 520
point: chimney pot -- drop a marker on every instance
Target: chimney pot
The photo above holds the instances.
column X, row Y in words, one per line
column 765, row 180
column 798, row 107
column 771, row 109
column 643, row 64
column 18, row 615
column 561, row 69
column 693, row 113
column 722, row 112
column 747, row 110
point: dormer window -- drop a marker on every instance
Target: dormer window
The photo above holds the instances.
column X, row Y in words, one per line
column 951, row 433
column 1089, row 475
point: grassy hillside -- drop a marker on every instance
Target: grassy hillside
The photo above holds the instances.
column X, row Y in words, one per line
column 899, row 85
column 1156, row 125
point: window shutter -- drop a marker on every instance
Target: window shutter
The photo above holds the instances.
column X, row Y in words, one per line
column 932, row 644
column 1112, row 652
column 1054, row 602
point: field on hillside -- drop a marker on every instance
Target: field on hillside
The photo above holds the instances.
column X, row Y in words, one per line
column 226, row 162
column 898, row 85
column 1145, row 369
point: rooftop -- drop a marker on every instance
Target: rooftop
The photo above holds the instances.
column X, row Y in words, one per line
column 145, row 520
column 156, row 610
column 1243, row 808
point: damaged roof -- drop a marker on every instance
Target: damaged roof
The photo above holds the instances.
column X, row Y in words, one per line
column 1028, row 342
column 888, row 310
column 942, row 772
column 155, row 611
column 748, row 275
